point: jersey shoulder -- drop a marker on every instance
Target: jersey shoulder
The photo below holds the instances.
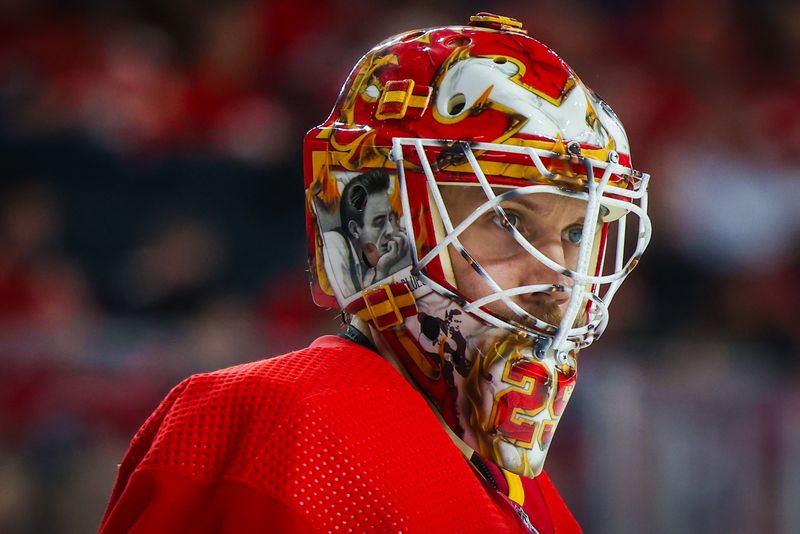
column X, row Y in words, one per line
column 224, row 423
column 333, row 433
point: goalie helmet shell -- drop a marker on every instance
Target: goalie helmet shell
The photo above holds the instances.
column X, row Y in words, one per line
column 484, row 83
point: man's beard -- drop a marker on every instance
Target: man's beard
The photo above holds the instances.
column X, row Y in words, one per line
column 548, row 312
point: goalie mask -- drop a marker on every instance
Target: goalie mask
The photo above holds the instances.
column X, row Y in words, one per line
column 434, row 191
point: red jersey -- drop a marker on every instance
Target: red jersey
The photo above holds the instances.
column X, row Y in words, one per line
column 327, row 438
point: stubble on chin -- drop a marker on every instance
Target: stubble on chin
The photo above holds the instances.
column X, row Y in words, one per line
column 550, row 313
column 547, row 312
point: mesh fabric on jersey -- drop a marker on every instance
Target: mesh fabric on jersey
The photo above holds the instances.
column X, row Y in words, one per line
column 328, row 438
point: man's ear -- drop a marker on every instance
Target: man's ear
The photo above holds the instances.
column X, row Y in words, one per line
column 352, row 229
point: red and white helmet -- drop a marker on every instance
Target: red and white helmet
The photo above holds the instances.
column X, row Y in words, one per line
column 486, row 106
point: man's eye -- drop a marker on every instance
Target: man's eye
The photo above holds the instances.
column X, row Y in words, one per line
column 573, row 234
column 513, row 220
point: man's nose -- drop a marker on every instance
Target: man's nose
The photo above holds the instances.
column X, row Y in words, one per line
column 539, row 273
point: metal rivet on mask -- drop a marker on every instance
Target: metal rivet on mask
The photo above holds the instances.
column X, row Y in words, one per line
column 574, row 148
column 562, row 357
column 613, row 157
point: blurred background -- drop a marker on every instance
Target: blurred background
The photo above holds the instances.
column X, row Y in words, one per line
column 151, row 227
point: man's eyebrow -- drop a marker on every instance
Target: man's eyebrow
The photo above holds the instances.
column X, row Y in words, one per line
column 520, row 201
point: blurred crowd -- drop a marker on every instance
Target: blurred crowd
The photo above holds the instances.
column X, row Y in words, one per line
column 151, row 226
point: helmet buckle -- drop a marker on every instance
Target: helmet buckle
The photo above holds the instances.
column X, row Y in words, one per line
column 402, row 98
column 384, row 308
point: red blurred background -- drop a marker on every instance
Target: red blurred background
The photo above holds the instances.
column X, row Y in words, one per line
column 151, row 226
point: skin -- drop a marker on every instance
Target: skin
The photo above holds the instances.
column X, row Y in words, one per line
column 380, row 240
column 552, row 223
